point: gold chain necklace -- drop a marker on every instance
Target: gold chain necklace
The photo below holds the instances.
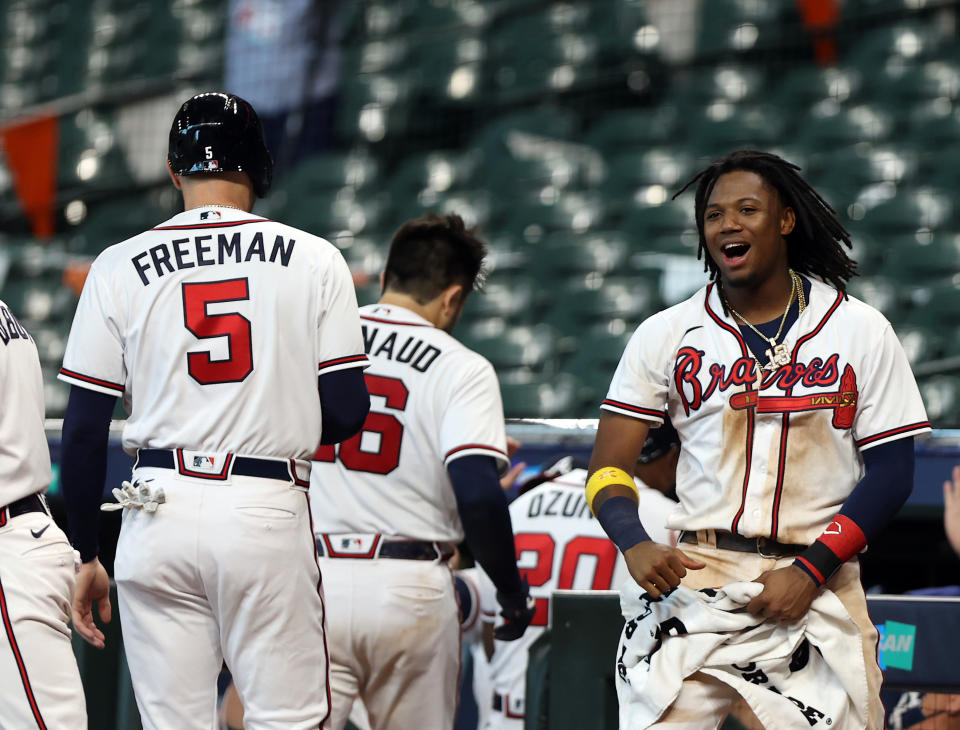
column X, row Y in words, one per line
column 777, row 355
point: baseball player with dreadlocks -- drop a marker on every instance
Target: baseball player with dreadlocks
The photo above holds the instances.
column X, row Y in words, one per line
column 796, row 410
column 235, row 343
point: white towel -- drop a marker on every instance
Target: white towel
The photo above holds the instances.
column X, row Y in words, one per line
column 809, row 673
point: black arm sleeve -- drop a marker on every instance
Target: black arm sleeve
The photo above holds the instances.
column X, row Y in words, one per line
column 887, row 482
column 83, row 465
column 486, row 521
column 345, row 403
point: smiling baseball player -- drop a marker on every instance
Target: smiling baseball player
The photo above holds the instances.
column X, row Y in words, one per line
column 235, row 343
column 796, row 410
column 38, row 672
column 390, row 503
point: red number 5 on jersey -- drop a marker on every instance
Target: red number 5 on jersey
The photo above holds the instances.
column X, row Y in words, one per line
column 385, row 427
column 236, row 327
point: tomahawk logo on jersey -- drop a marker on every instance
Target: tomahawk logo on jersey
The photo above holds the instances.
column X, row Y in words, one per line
column 219, row 280
column 432, row 400
column 802, row 424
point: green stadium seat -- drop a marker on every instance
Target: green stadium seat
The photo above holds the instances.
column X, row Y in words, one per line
column 911, row 210
column 913, row 83
column 423, row 178
column 328, row 215
column 629, row 129
column 584, row 307
column 941, row 397
column 805, row 86
column 383, row 17
column 596, row 359
column 626, row 30
column 936, row 305
column 518, row 346
column 733, row 26
column 666, row 166
column 528, row 396
column 333, row 170
column 923, row 257
column 880, row 293
column 374, row 107
column 934, row 126
column 735, row 83
column 110, row 221
column 544, row 120
column 829, row 125
column 909, row 41
column 722, row 127
column 921, row 344
column 579, row 212
column 672, row 218
column 90, row 155
column 565, row 254
column 860, row 165
column 508, row 300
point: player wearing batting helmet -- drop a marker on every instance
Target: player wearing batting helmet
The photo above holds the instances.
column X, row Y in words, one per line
column 235, row 344
column 796, row 410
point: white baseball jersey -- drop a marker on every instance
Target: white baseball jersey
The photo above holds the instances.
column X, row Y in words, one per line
column 559, row 546
column 38, row 671
column 24, row 454
column 848, row 387
column 432, row 400
column 214, row 327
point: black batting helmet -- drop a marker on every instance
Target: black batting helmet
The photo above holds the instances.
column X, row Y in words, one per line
column 216, row 132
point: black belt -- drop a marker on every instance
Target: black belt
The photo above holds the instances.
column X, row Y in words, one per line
column 501, row 703
column 241, row 465
column 761, row 545
column 396, row 549
column 33, row 503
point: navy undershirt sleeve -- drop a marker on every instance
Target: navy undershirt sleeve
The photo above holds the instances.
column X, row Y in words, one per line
column 885, row 486
column 344, row 401
column 83, row 465
column 486, row 520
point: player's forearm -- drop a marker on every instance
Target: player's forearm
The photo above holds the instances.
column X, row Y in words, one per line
column 878, row 496
column 486, row 520
column 83, row 465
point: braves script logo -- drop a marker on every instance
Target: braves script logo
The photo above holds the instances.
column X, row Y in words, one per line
column 814, row 374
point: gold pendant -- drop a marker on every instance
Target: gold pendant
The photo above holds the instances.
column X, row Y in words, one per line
column 778, row 356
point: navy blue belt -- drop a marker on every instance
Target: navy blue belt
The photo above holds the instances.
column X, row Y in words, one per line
column 241, row 465
column 33, row 503
column 397, row 549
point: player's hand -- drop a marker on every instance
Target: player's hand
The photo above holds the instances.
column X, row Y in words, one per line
column 951, row 509
column 658, row 568
column 786, row 596
column 517, row 610
column 93, row 584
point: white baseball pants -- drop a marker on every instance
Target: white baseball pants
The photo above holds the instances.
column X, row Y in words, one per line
column 223, row 570
column 39, row 681
column 394, row 632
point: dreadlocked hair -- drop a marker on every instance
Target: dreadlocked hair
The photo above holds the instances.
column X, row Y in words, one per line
column 814, row 245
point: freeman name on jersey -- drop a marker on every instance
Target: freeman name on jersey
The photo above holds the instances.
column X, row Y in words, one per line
column 204, row 250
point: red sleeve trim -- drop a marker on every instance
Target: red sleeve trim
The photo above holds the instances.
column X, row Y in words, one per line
column 633, row 409
column 342, row 361
column 94, row 381
column 893, row 432
column 466, row 447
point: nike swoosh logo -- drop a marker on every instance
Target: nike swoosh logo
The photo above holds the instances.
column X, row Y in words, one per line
column 38, row 533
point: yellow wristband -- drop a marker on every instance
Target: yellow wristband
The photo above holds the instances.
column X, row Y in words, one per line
column 604, row 478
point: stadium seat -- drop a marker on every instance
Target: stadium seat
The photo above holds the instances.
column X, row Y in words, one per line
column 519, row 346
column 670, row 219
column 596, row 359
column 909, row 40
column 735, row 83
column 723, row 126
column 941, row 397
column 921, row 344
column 584, row 307
column 923, row 257
column 635, row 129
column 862, row 164
column 90, row 156
column 804, row 86
column 578, row 212
column 912, row 83
column 564, row 255
column 530, row 397
column 911, row 210
column 734, row 27
column 880, row 293
column 829, row 125
column 508, row 299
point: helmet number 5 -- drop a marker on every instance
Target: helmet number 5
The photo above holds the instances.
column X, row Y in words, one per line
column 232, row 325
column 208, row 151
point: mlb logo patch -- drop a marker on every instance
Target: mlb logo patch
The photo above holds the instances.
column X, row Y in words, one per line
column 203, row 462
column 210, row 214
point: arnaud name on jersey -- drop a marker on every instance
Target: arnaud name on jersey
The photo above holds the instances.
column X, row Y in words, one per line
column 410, row 350
column 186, row 253
column 10, row 328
